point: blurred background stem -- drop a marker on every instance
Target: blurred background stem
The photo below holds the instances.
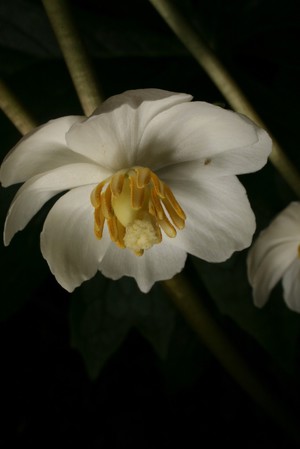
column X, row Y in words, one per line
column 14, row 110
column 75, row 55
column 191, row 306
column 224, row 82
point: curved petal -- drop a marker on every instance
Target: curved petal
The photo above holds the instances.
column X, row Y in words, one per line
column 291, row 286
column 230, row 142
column 68, row 242
column 41, row 150
column 39, row 189
column 269, row 269
column 158, row 263
column 284, row 229
column 230, row 162
column 111, row 135
column 219, row 218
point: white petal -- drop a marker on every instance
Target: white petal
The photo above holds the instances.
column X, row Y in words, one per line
column 230, row 162
column 68, row 242
column 270, row 269
column 39, row 189
column 111, row 136
column 40, row 150
column 284, row 229
column 286, row 224
column 158, row 263
column 291, row 286
column 200, row 131
column 219, row 218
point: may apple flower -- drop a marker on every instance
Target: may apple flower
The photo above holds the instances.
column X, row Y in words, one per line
column 275, row 255
column 150, row 177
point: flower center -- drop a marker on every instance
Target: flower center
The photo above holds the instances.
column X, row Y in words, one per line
column 136, row 205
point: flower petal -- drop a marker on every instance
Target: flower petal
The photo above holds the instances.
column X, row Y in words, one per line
column 40, row 150
column 219, row 217
column 273, row 253
column 284, row 229
column 268, row 269
column 230, row 162
column 291, row 286
column 39, row 189
column 230, row 142
column 111, row 135
column 158, row 263
column 68, row 242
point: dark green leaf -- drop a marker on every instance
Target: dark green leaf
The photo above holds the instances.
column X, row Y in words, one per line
column 103, row 311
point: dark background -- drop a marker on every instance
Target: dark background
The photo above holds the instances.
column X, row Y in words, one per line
column 136, row 398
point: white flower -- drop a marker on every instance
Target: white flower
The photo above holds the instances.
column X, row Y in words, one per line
column 275, row 255
column 145, row 161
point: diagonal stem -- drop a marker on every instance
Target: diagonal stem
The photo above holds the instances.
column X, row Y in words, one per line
column 75, row 55
column 225, row 83
column 14, row 110
column 188, row 302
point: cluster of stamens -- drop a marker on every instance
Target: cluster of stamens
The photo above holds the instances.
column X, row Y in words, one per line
column 136, row 205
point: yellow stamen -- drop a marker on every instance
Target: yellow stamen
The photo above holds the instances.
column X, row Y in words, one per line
column 177, row 219
column 173, row 202
column 106, row 205
column 137, row 193
column 143, row 176
column 158, row 185
column 113, row 229
column 99, row 222
column 116, row 183
column 96, row 195
column 159, row 212
column 167, row 227
column 136, row 205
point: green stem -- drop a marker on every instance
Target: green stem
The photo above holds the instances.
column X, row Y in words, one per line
column 75, row 55
column 225, row 83
column 14, row 110
column 188, row 302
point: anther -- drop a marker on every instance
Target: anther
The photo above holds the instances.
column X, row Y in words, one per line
column 99, row 220
column 96, row 195
column 173, row 202
column 137, row 193
column 116, row 183
column 136, row 205
column 143, row 177
column 158, row 185
column 107, row 209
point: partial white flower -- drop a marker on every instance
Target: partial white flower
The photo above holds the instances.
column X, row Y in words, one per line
column 275, row 255
column 149, row 177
